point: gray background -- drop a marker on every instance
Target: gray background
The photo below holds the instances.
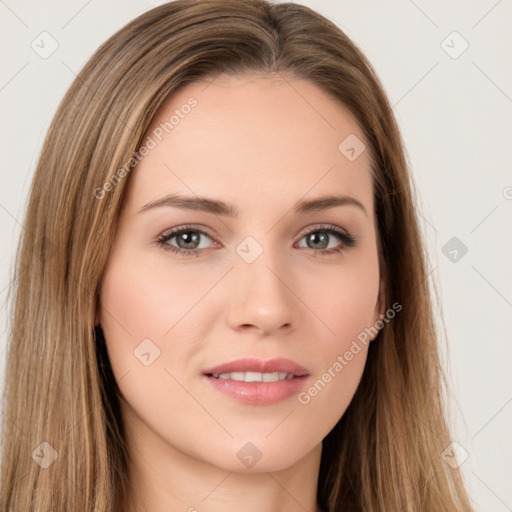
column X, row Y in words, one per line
column 454, row 109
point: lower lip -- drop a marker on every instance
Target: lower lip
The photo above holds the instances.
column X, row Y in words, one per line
column 258, row 393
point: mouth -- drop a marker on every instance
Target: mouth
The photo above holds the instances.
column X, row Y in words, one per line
column 254, row 376
column 257, row 382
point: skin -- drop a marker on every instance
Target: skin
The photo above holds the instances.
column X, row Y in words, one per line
column 259, row 143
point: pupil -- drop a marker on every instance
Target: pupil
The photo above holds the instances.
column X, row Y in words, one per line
column 319, row 238
column 189, row 238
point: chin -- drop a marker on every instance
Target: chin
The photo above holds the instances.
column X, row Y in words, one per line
column 261, row 455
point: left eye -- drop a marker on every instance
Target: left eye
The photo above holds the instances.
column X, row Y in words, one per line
column 326, row 238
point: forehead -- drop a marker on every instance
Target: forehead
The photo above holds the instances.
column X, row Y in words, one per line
column 259, row 135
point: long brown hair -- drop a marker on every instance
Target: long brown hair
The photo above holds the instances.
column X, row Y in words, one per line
column 60, row 398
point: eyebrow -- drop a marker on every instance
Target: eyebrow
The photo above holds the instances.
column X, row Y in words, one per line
column 217, row 207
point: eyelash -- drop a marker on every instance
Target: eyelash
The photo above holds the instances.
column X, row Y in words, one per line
column 347, row 240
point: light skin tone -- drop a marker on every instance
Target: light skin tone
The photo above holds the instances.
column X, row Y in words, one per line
column 259, row 145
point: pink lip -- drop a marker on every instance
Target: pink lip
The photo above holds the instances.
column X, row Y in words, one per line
column 258, row 393
column 257, row 365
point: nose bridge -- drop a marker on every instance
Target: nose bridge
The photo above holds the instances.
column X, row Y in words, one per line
column 261, row 296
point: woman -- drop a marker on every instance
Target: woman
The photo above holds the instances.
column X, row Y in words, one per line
column 221, row 300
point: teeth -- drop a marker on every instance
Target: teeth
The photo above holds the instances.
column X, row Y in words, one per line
column 255, row 376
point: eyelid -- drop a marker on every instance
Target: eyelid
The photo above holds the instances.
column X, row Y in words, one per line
column 189, row 227
column 320, row 227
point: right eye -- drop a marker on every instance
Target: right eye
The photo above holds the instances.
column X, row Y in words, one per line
column 186, row 241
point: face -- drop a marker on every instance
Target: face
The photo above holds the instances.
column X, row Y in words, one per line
column 225, row 253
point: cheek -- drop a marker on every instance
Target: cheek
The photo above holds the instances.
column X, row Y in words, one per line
column 346, row 301
column 149, row 316
column 147, row 297
column 133, row 315
column 346, row 305
column 137, row 312
column 330, row 392
column 342, row 351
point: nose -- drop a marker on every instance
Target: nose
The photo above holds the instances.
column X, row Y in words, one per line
column 262, row 298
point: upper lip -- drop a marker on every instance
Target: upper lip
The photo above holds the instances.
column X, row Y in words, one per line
column 258, row 365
